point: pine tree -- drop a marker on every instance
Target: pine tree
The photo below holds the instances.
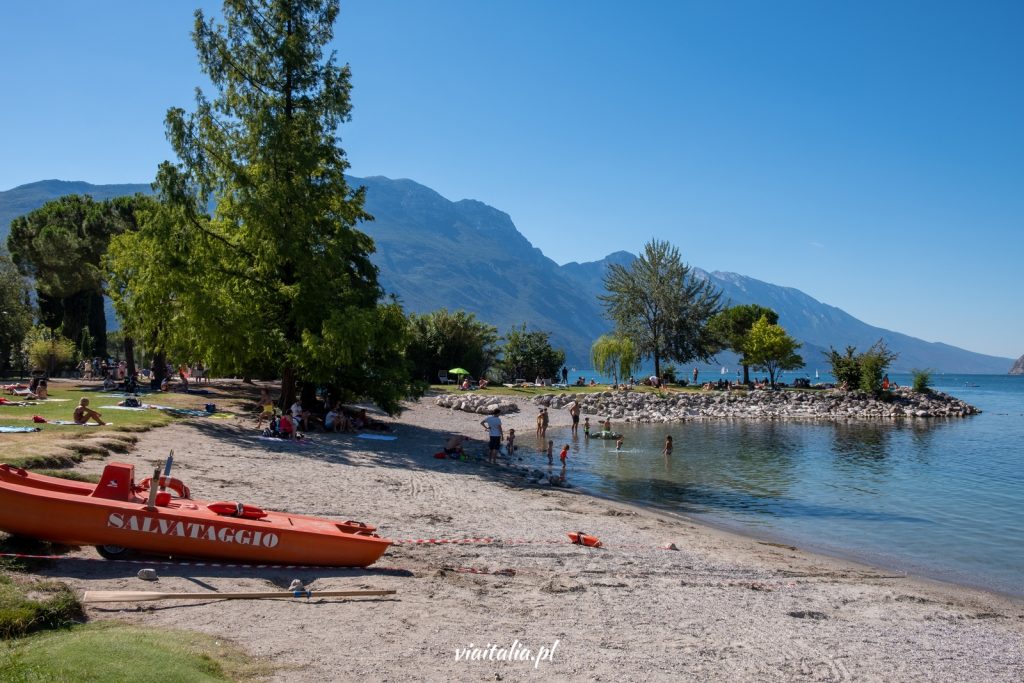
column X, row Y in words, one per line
column 278, row 279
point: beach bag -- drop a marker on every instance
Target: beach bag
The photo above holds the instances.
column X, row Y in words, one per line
column 132, row 403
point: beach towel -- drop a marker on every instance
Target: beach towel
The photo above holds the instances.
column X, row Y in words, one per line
column 12, row 430
column 78, row 424
column 290, row 442
column 376, row 437
column 121, row 408
column 221, row 416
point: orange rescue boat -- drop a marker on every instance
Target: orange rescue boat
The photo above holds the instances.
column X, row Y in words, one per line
column 116, row 515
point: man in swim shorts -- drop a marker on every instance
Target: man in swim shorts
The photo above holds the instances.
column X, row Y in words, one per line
column 492, row 423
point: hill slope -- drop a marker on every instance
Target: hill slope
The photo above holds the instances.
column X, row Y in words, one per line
column 435, row 253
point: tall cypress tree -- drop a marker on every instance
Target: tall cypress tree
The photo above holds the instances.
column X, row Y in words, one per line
column 278, row 278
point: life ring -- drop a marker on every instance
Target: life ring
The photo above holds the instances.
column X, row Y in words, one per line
column 234, row 509
column 175, row 485
column 580, row 538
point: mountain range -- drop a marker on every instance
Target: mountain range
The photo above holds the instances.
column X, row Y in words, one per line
column 435, row 253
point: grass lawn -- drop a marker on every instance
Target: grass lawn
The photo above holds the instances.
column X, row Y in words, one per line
column 56, row 446
column 114, row 652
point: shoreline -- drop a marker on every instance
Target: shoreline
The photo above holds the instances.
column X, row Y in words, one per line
column 722, row 606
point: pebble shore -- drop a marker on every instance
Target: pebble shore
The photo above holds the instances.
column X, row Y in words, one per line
column 674, row 406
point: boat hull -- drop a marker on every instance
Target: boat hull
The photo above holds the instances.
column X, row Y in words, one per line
column 75, row 513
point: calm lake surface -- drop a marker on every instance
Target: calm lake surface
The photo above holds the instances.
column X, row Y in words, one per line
column 941, row 498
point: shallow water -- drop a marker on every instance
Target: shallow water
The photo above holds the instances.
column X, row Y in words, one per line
column 943, row 498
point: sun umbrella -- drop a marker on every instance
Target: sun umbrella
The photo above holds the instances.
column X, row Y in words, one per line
column 459, row 371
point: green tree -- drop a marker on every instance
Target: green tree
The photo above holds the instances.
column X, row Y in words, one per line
column 48, row 350
column 60, row 246
column 873, row 364
column 845, row 367
column 864, row 371
column 615, row 356
column 770, row 348
column 529, row 354
column 662, row 306
column 732, row 327
column 278, row 277
column 15, row 312
column 441, row 340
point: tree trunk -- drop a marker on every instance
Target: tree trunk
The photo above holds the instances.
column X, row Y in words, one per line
column 129, row 355
column 746, row 374
column 287, row 389
column 97, row 322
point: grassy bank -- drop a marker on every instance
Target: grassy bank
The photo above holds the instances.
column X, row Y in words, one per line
column 114, row 652
column 61, row 446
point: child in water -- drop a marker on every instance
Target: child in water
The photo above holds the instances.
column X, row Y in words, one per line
column 618, row 444
column 586, row 428
column 511, row 445
column 667, row 450
column 551, row 454
column 564, row 454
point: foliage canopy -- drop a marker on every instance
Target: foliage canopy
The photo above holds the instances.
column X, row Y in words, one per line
column 441, row 340
column 615, row 356
column 662, row 306
column 527, row 355
column 278, row 277
column 731, row 327
column 768, row 347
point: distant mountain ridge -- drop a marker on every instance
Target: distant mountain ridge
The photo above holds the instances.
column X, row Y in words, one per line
column 433, row 253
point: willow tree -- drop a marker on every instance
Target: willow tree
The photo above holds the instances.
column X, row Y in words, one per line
column 277, row 276
column 615, row 356
column 659, row 303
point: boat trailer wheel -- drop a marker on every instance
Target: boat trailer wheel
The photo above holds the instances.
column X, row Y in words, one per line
column 112, row 552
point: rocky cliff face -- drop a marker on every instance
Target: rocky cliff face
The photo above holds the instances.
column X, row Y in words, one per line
column 1018, row 367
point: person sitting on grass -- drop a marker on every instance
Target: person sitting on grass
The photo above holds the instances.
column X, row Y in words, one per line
column 83, row 413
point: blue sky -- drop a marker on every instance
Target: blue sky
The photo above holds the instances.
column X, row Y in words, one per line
column 870, row 154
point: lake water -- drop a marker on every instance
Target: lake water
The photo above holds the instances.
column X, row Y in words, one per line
column 941, row 498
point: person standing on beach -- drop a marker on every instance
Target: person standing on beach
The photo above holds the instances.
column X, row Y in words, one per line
column 544, row 422
column 574, row 411
column 492, row 423
column 565, row 375
column 540, row 423
column 510, row 445
column 694, row 375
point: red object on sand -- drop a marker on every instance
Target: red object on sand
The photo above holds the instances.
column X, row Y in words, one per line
column 38, row 419
column 580, row 538
column 113, row 515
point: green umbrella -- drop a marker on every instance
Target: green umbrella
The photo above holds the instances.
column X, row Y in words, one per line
column 459, row 371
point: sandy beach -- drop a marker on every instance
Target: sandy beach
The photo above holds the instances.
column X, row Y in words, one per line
column 722, row 607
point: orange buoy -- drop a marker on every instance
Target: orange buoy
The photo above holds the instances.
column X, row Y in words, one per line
column 223, row 507
column 580, row 538
column 176, row 485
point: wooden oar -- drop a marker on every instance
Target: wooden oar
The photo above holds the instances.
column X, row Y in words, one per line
column 142, row 596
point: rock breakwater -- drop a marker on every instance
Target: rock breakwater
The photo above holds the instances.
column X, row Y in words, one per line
column 481, row 404
column 822, row 405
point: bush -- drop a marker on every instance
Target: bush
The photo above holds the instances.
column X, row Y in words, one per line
column 861, row 371
column 922, row 380
column 47, row 349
